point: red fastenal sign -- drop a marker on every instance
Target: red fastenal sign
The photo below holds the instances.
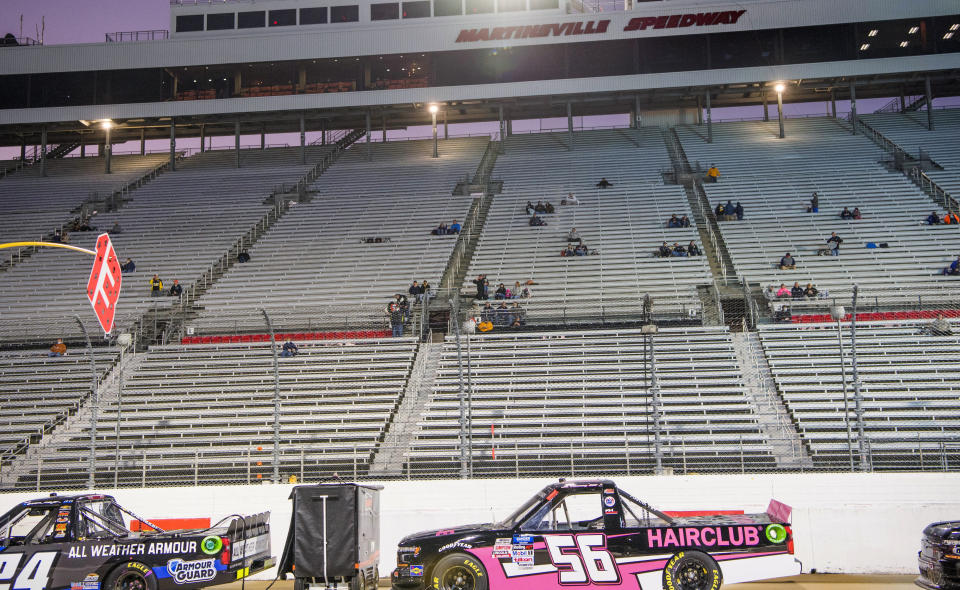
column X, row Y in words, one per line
column 103, row 288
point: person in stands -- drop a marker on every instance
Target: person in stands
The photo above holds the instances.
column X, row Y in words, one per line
column 570, row 199
column 938, row 327
column 713, row 174
column 480, row 281
column 693, row 249
column 674, row 221
column 519, row 316
column 573, row 236
column 58, row 349
column 814, row 206
column 396, row 319
column 684, row 221
column 604, row 183
column 536, row 221
column 243, row 257
column 289, row 349
column 530, row 208
column 156, row 286
column 540, row 207
column 729, row 211
column 810, row 292
column 846, row 214
column 787, row 262
column 797, row 291
column 664, row 250
column 116, row 229
column 948, row 218
column 770, row 293
column 548, row 207
column 416, row 292
column 834, row 242
column 581, row 250
column 440, row 230
column 954, row 268
column 678, row 250
column 856, row 213
column 501, row 292
column 175, row 289
column 128, row 266
column 738, row 211
column 454, row 227
column 933, row 218
column 425, row 291
column 719, row 211
column 568, row 251
column 783, row 291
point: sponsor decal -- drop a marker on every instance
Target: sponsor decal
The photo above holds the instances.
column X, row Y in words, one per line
column 60, row 527
column 608, row 491
column 609, row 501
column 610, row 511
column 444, row 532
column 416, row 571
column 133, row 565
column 776, row 533
column 249, row 548
column 189, row 572
column 522, row 539
column 91, row 582
column 501, row 548
column 673, row 21
column 456, row 545
column 118, row 550
column 522, row 557
column 211, row 545
column 708, row 536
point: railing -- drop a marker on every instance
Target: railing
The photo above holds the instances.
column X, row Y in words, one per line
column 128, row 36
column 882, row 141
column 935, row 191
column 19, row 42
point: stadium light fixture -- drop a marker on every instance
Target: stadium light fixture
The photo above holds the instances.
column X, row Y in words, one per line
column 106, row 124
column 780, row 88
column 955, row 26
column 433, row 109
column 865, row 47
column 873, row 33
column 913, row 30
column 904, row 43
column 948, row 36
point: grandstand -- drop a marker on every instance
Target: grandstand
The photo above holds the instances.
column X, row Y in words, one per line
column 592, row 380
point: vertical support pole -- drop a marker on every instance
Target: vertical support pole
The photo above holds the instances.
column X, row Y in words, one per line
column 236, row 140
column 853, row 106
column 107, row 150
column 93, row 407
column 929, row 97
column 276, row 398
column 446, row 125
column 709, row 119
column 461, row 394
column 263, row 137
column 903, row 99
column 502, row 128
column 323, row 132
column 780, row 113
column 857, row 394
column 143, row 141
column 303, row 138
column 509, row 127
column 655, row 400
column 203, row 138
column 369, row 152
column 569, row 126
column 43, row 151
column 173, row 144
column 433, row 115
column 636, row 111
column 23, row 148
column 383, row 127
column 766, row 108
column 833, row 103
column 699, row 110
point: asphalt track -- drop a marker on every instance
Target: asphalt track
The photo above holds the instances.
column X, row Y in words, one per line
column 803, row 582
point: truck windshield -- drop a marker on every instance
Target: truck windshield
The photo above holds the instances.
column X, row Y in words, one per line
column 514, row 519
column 28, row 524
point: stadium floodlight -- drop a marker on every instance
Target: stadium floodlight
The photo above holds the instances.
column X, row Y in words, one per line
column 955, row 26
column 873, row 33
column 106, row 124
column 904, row 43
column 779, row 88
column 948, row 36
column 865, row 47
column 433, row 109
column 913, row 30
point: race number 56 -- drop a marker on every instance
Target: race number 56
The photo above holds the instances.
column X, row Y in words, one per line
column 582, row 559
column 34, row 575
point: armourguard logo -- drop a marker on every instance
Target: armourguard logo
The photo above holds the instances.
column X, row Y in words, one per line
column 188, row 572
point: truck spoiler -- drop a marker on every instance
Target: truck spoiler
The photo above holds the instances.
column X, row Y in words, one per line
column 779, row 512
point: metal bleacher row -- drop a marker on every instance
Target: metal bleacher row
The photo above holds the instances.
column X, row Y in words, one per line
column 314, row 258
column 205, row 414
column 625, row 223
column 775, row 178
column 549, row 402
column 174, row 226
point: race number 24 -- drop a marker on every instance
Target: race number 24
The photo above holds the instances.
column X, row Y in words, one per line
column 34, row 575
column 582, row 559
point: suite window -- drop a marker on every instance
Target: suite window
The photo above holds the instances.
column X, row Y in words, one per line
column 419, row 9
column 479, row 6
column 188, row 23
column 511, row 5
column 544, row 4
column 251, row 20
column 447, row 8
column 385, row 11
column 283, row 18
column 313, row 16
column 344, row 14
column 220, row 22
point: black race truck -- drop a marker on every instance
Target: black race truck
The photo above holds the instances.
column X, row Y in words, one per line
column 592, row 533
column 940, row 556
column 82, row 542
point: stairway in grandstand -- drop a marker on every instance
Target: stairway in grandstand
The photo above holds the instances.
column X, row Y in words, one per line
column 774, row 180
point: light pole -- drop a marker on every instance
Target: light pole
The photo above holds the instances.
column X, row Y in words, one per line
column 779, row 88
column 433, row 114
column 837, row 312
column 123, row 341
column 276, row 398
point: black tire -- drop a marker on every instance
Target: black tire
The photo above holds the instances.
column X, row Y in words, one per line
column 459, row 571
column 132, row 575
column 359, row 581
column 692, row 570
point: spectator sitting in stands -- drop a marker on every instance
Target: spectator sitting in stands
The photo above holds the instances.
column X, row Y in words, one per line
column 581, row 250
column 58, row 237
column 719, row 211
column 425, row 291
column 519, row 316
column 415, row 292
column 713, row 174
column 674, row 221
column 954, row 268
column 501, row 292
column 530, row 208
column 856, row 213
column 573, row 236
column 684, row 221
column 243, row 257
column 156, row 286
column 404, row 304
column 570, row 199
column 128, row 266
column 846, row 214
column 116, row 229
column 175, row 289
column 536, row 221
column 834, row 242
column 540, row 208
column 693, row 249
column 58, row 349
column 729, row 211
column 814, row 206
column 548, row 207
column 289, row 349
column 65, row 237
column 568, row 251
column 664, row 251
column 783, row 291
column 454, row 227
column 604, row 183
column 938, row 327
column 933, row 218
column 787, row 262
column 797, row 291
column 810, row 292
column 948, row 218
column 440, row 230
column 770, row 293
column 678, row 250
column 738, row 211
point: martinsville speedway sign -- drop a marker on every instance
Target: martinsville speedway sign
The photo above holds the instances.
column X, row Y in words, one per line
column 599, row 27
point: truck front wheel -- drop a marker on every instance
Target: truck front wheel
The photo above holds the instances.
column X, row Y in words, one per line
column 132, row 575
column 459, row 571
